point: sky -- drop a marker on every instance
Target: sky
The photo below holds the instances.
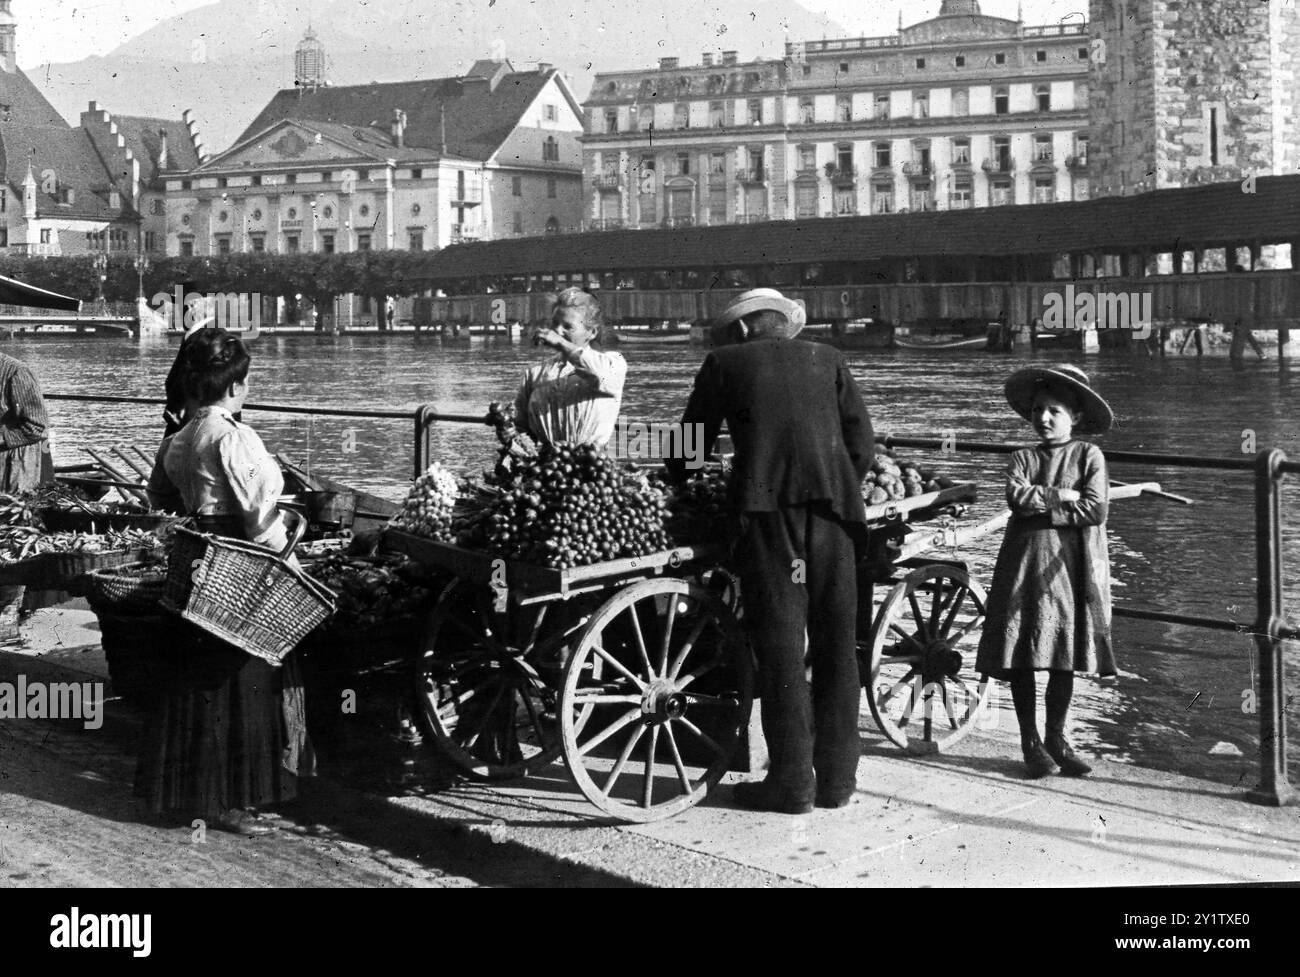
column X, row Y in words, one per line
column 69, row 30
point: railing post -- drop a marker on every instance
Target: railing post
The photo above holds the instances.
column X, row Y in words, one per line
column 1274, row 789
column 422, row 446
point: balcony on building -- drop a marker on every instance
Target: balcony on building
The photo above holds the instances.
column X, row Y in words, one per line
column 840, row 174
column 999, row 164
column 467, row 195
column 752, row 174
column 460, row 233
column 607, row 181
column 1077, row 162
column 51, row 249
column 918, row 169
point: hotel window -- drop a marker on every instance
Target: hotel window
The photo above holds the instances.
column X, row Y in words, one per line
column 186, row 184
column 258, row 241
column 807, row 71
column 961, row 195
column 1044, row 95
column 920, row 105
column 961, row 102
column 291, row 178
column 883, row 156
column 187, row 248
column 416, row 240
column 961, row 151
column 682, row 115
column 611, row 121
column 717, row 118
column 363, row 242
column 921, row 155
column 327, row 243
column 807, row 158
column 755, row 109
column 516, row 186
column 45, row 235
column 257, row 179
column 1002, row 153
column 756, row 164
column 999, row 58
column 844, row 67
column 150, row 241
column 844, row 108
column 1001, row 101
column 1083, row 54
column 921, row 197
column 1081, row 148
column 550, row 187
column 959, row 61
column 717, row 164
column 683, row 164
column 846, row 201
column 517, row 226
column 882, row 200
column 1000, row 192
column 4, row 199
column 223, row 244
column 882, row 105
column 1081, row 188
column 361, row 175
column 550, row 149
column 806, row 113
column 844, row 160
column 805, row 201
column 291, row 243
column 1040, row 56
column 647, row 114
column 1044, row 189
column 1042, row 147
column 920, row 63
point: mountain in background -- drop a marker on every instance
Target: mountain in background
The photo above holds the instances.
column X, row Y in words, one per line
column 225, row 61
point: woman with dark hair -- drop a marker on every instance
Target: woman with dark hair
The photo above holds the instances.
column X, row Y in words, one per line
column 228, row 733
column 576, row 396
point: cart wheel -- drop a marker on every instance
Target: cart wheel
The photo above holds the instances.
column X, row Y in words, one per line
column 662, row 666
column 491, row 713
column 922, row 688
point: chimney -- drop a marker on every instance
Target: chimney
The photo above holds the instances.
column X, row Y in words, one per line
column 707, row 59
column 543, row 67
column 728, row 57
column 162, row 149
column 666, row 63
column 399, row 128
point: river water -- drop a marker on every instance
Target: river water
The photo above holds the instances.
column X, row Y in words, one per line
column 1183, row 691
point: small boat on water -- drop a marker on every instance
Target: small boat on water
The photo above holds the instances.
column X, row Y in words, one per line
column 651, row 337
column 974, row 342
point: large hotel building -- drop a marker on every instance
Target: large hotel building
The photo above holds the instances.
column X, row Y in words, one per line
column 962, row 110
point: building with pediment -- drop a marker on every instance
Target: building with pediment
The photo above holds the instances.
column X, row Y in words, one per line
column 72, row 190
column 960, row 110
column 413, row 165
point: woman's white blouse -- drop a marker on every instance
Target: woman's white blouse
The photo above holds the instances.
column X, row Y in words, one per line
column 574, row 400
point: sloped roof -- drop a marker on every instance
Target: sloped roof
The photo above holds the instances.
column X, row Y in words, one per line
column 27, row 106
column 71, row 155
column 141, row 136
column 477, row 120
column 1214, row 215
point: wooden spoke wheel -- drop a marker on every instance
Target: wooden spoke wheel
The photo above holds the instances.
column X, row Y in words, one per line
column 921, row 684
column 655, row 698
column 486, row 683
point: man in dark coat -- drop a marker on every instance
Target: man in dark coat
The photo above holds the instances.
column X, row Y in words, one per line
column 803, row 442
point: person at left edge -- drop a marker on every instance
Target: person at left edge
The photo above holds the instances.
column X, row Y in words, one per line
column 24, row 450
column 576, row 396
column 227, row 733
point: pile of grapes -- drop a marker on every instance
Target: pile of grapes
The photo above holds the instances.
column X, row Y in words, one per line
column 890, row 480
column 572, row 505
column 428, row 507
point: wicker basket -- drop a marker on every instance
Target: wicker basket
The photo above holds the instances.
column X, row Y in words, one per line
column 113, row 589
column 243, row 593
column 67, row 571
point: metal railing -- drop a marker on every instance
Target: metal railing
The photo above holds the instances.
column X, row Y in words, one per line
column 1270, row 628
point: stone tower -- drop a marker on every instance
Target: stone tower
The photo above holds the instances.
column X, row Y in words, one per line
column 955, row 8
column 1185, row 92
column 309, row 62
column 8, row 38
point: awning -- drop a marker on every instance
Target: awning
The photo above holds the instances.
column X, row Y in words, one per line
column 14, row 292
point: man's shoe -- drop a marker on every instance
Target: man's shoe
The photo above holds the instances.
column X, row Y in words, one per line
column 1038, row 762
column 764, row 797
column 241, row 823
column 834, row 798
column 1059, row 749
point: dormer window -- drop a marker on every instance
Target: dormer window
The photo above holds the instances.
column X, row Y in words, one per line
column 114, row 200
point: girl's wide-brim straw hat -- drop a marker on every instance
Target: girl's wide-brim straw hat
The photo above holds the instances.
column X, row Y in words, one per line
column 1023, row 384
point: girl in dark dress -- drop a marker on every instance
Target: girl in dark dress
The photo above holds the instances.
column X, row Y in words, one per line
column 219, row 740
column 1049, row 606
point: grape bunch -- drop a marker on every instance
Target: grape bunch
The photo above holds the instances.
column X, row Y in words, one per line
column 704, row 494
column 572, row 505
column 428, row 506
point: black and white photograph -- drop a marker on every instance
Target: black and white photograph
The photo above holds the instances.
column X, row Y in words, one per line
column 591, row 444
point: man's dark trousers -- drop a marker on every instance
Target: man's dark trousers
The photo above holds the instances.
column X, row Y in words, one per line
column 797, row 573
